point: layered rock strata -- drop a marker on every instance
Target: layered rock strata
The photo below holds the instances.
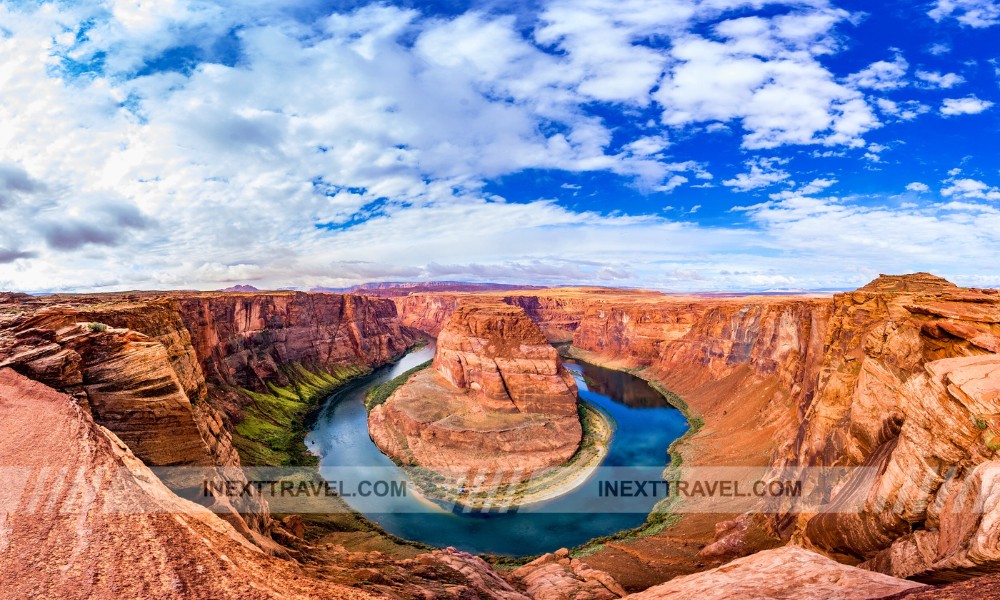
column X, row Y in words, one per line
column 164, row 372
column 910, row 389
column 497, row 396
column 898, row 376
column 82, row 517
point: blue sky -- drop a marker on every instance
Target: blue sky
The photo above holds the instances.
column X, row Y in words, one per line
column 674, row 144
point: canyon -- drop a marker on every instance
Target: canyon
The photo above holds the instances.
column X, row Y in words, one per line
column 496, row 397
column 900, row 377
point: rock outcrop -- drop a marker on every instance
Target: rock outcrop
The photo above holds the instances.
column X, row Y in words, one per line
column 82, row 517
column 909, row 388
column 788, row 572
column 164, row 371
column 248, row 341
column 497, row 354
column 556, row 576
column 497, row 396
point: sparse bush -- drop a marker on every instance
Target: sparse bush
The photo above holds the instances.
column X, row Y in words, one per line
column 980, row 423
column 97, row 327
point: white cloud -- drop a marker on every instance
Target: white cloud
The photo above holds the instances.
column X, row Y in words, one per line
column 939, row 49
column 970, row 105
column 902, row 111
column 918, row 187
column 935, row 80
column 813, row 187
column 882, row 75
column 359, row 146
column 969, row 188
column 763, row 172
column 841, row 234
column 765, row 73
column 971, row 13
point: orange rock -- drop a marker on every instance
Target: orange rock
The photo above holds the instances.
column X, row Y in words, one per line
column 788, row 572
column 497, row 396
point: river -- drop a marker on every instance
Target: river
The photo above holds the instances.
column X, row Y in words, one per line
column 645, row 427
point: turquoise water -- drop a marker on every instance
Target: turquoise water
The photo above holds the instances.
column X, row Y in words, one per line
column 645, row 427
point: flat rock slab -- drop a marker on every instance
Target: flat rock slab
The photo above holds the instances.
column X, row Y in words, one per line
column 787, row 572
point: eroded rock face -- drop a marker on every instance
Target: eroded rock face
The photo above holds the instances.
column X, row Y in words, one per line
column 788, row 572
column 162, row 370
column 909, row 387
column 556, row 576
column 497, row 396
column 110, row 529
column 497, row 354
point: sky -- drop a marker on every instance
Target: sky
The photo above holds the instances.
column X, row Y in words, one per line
column 681, row 145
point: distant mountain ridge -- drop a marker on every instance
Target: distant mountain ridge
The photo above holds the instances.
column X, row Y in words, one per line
column 386, row 289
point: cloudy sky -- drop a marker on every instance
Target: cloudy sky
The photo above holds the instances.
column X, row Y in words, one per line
column 670, row 144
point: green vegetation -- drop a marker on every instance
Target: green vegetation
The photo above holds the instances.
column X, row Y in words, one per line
column 980, row 423
column 658, row 520
column 380, row 393
column 273, row 429
column 97, row 327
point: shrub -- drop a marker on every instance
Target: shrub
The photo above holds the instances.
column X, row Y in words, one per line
column 97, row 327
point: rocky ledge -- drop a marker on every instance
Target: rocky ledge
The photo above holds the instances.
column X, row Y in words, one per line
column 497, row 398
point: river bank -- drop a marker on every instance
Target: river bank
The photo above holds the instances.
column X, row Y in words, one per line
column 567, row 519
column 492, row 494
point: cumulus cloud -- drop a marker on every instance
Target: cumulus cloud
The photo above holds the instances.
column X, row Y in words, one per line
column 967, row 188
column 971, row 13
column 935, row 80
column 766, row 74
column 813, row 187
column 882, row 75
column 918, row 187
column 8, row 255
column 763, row 172
column 14, row 182
column 189, row 144
column 907, row 110
column 970, row 105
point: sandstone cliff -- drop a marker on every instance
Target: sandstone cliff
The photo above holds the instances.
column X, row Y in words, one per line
column 909, row 388
column 497, row 396
column 558, row 312
column 172, row 396
column 107, row 528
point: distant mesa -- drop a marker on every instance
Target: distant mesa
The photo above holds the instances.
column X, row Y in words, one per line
column 246, row 289
column 388, row 289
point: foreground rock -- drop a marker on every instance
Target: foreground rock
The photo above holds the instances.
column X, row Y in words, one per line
column 788, row 572
column 497, row 397
column 166, row 372
column 556, row 576
column 909, row 388
column 82, row 517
